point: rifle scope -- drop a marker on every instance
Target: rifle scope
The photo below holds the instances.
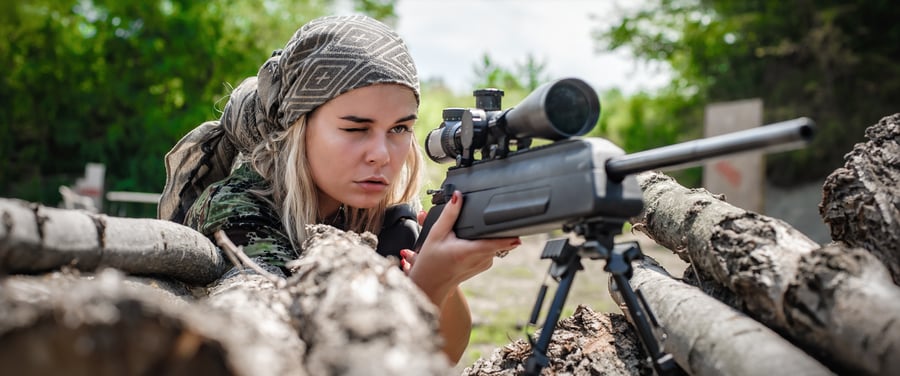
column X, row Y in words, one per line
column 556, row 110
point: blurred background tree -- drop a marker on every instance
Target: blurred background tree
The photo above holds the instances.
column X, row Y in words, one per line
column 834, row 61
column 120, row 82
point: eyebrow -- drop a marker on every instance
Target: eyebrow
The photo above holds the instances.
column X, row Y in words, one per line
column 357, row 119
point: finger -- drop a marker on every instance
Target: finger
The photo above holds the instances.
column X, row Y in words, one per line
column 408, row 256
column 444, row 223
column 505, row 251
column 406, row 266
column 421, row 217
column 493, row 246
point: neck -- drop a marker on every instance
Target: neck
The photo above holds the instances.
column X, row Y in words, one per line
column 328, row 207
column 332, row 215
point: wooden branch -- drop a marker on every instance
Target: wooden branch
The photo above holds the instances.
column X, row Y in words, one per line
column 861, row 201
column 239, row 258
column 839, row 304
column 35, row 239
column 707, row 337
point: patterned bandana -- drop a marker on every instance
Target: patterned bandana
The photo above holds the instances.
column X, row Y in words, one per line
column 327, row 57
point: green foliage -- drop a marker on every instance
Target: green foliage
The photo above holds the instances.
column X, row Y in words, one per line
column 495, row 76
column 378, row 9
column 830, row 60
column 525, row 76
column 645, row 121
column 121, row 82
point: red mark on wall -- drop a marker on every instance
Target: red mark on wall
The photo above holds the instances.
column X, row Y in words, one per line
column 731, row 174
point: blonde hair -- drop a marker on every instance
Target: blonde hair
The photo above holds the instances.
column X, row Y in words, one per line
column 283, row 162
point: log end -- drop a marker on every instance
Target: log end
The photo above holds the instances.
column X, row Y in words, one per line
column 97, row 326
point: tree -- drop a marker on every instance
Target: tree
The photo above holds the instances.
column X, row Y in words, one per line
column 830, row 60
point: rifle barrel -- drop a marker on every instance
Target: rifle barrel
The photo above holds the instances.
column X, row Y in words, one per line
column 785, row 135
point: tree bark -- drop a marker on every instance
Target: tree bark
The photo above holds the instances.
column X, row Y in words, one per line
column 586, row 343
column 252, row 300
column 110, row 324
column 861, row 201
column 346, row 310
column 707, row 337
column 358, row 312
column 837, row 303
column 35, row 239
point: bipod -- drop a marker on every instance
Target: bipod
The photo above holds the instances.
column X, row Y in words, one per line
column 566, row 261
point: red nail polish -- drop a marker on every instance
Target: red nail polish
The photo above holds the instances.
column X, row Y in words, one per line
column 455, row 197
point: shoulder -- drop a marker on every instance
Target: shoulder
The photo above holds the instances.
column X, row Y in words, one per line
column 232, row 200
column 233, row 206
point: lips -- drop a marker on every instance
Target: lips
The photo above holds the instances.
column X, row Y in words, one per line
column 373, row 184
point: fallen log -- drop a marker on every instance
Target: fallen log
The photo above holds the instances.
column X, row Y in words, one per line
column 707, row 337
column 254, row 300
column 346, row 310
column 36, row 239
column 358, row 312
column 110, row 324
column 838, row 304
column 586, row 343
column 861, row 201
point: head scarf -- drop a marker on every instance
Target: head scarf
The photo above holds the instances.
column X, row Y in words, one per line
column 326, row 57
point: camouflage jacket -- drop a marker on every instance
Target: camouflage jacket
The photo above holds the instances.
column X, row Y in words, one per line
column 251, row 222
column 247, row 219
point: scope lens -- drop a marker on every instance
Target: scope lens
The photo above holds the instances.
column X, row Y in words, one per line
column 568, row 108
column 442, row 143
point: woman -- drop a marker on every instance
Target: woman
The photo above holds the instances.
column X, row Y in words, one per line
column 324, row 134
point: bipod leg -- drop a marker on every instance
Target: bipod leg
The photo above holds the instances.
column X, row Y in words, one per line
column 619, row 265
column 565, row 264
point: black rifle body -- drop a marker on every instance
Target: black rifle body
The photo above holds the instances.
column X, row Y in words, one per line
column 548, row 187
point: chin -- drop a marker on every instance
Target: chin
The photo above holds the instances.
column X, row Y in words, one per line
column 366, row 203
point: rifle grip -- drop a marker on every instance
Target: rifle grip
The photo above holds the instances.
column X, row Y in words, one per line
column 432, row 217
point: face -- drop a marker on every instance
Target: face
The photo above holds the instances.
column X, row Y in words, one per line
column 357, row 142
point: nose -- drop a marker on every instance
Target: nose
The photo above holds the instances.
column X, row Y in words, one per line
column 377, row 152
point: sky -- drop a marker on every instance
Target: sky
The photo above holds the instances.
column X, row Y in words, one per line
column 449, row 38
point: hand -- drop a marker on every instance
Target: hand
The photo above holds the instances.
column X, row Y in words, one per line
column 445, row 261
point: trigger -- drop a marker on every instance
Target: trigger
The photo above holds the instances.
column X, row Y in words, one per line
column 440, row 196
